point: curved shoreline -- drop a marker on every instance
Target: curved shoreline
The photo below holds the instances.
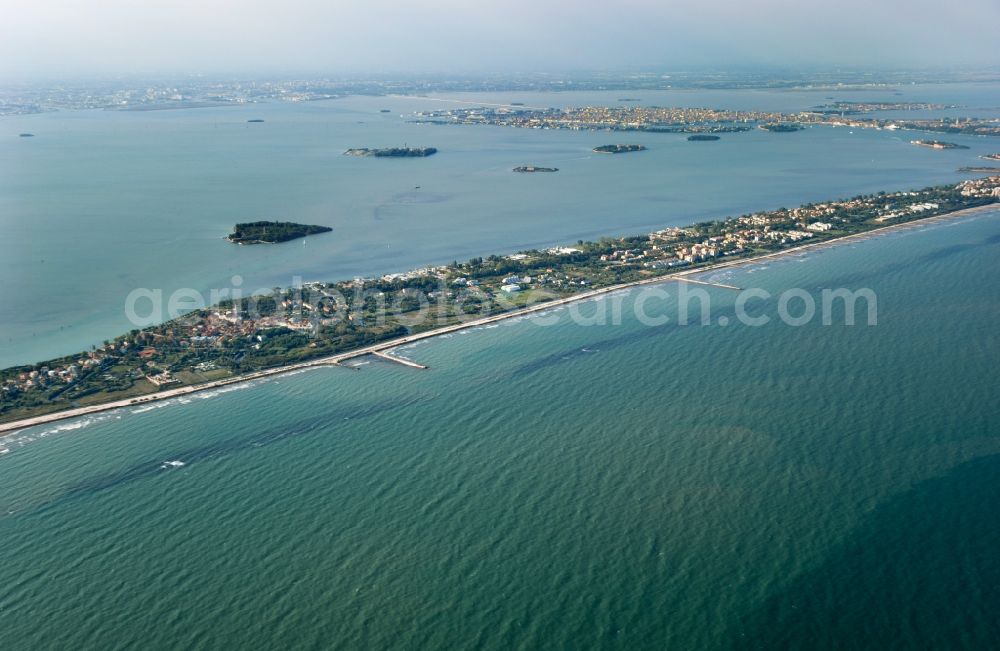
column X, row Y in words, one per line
column 12, row 427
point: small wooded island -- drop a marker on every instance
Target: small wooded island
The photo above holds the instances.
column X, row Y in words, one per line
column 618, row 149
column 255, row 120
column 26, row 135
column 702, row 137
column 392, row 152
column 780, row 127
column 529, row 169
column 986, row 169
column 937, row 144
column 272, row 232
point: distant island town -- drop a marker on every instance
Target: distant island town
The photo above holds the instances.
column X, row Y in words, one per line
column 856, row 108
column 702, row 120
column 265, row 232
column 392, row 152
column 246, row 338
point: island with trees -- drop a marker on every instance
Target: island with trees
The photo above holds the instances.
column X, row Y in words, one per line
column 392, row 152
column 781, row 127
column 937, row 144
column 531, row 169
column 618, row 149
column 265, row 232
column 702, row 137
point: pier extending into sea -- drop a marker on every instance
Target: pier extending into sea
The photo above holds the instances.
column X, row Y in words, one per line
column 399, row 360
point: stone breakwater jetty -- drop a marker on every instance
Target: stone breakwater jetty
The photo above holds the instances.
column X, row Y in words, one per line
column 386, row 355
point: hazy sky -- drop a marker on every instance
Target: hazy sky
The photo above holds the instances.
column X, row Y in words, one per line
column 80, row 37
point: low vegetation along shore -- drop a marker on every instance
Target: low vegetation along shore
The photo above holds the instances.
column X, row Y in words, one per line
column 325, row 323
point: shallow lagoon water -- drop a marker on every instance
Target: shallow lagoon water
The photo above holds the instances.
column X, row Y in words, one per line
column 100, row 203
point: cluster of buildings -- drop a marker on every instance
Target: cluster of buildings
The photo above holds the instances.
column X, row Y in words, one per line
column 700, row 120
column 600, row 117
column 984, row 187
column 49, row 378
column 909, row 210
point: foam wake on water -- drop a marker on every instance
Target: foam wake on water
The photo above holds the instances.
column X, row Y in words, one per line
column 23, row 437
column 20, row 438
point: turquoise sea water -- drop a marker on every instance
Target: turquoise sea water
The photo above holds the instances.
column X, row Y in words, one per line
column 568, row 486
column 99, row 203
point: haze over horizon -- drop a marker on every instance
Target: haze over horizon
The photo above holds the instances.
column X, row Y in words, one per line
column 63, row 38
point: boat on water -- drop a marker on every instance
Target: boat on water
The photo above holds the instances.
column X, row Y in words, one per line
column 172, row 464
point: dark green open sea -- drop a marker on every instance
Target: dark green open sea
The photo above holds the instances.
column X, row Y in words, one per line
column 560, row 487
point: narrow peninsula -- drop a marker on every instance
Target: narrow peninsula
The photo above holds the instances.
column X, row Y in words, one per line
column 323, row 323
column 272, row 232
